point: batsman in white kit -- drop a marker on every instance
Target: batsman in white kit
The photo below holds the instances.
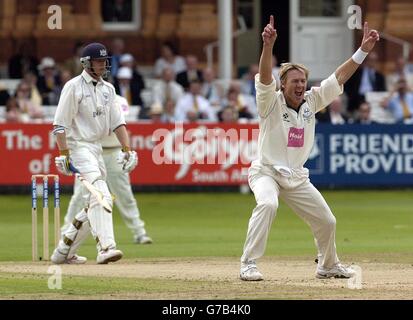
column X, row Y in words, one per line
column 119, row 185
column 287, row 128
column 86, row 113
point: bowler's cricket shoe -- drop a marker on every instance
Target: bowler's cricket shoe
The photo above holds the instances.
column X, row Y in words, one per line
column 143, row 239
column 249, row 272
column 338, row 271
column 110, row 255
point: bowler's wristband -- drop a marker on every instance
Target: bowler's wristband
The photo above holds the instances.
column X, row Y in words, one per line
column 359, row 56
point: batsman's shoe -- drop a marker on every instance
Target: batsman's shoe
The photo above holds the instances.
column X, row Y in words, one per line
column 338, row 271
column 110, row 255
column 75, row 259
column 143, row 239
column 249, row 272
column 58, row 257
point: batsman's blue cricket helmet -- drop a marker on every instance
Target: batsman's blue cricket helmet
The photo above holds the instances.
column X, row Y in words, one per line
column 94, row 51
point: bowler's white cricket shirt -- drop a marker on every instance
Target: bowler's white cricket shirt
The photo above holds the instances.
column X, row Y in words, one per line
column 87, row 111
column 287, row 136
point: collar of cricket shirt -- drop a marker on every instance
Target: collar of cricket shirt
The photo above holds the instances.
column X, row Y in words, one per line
column 284, row 102
column 88, row 78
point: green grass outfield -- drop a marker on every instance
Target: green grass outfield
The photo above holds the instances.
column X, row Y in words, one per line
column 201, row 229
column 213, row 224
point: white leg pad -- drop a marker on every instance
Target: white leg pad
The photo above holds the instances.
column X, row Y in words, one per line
column 81, row 236
column 71, row 236
column 79, row 200
column 101, row 222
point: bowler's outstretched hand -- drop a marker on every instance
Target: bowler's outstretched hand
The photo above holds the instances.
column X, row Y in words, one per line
column 270, row 34
column 370, row 37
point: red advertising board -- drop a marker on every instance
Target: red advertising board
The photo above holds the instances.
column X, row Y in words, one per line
column 169, row 154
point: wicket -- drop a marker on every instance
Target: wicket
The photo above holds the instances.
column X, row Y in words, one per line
column 45, row 178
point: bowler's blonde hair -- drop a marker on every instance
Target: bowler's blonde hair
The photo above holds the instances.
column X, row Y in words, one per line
column 285, row 67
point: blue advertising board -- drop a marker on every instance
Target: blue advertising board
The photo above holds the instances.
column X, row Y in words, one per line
column 362, row 155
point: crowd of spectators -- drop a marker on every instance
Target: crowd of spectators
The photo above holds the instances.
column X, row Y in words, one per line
column 181, row 90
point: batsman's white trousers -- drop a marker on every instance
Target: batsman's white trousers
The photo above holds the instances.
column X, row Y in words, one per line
column 87, row 158
column 119, row 184
column 300, row 195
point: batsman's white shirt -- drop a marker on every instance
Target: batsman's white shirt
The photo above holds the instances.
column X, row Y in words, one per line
column 87, row 111
column 287, row 136
column 111, row 141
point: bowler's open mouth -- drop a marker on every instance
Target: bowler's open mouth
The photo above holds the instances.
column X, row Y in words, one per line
column 298, row 94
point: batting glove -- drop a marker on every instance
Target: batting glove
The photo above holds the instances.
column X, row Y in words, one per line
column 128, row 159
column 62, row 163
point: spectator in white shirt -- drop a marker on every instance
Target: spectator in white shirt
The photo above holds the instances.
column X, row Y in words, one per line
column 169, row 58
column 243, row 103
column 28, row 108
column 167, row 88
column 211, row 89
column 31, row 79
column 401, row 70
column 193, row 106
column 400, row 102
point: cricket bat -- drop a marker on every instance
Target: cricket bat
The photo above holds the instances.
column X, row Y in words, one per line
column 92, row 189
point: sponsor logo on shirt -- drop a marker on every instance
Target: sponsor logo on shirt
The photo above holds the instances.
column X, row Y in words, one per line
column 285, row 117
column 99, row 112
column 307, row 114
column 296, row 138
column 124, row 107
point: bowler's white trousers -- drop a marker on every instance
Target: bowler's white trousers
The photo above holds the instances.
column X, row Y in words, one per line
column 300, row 195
